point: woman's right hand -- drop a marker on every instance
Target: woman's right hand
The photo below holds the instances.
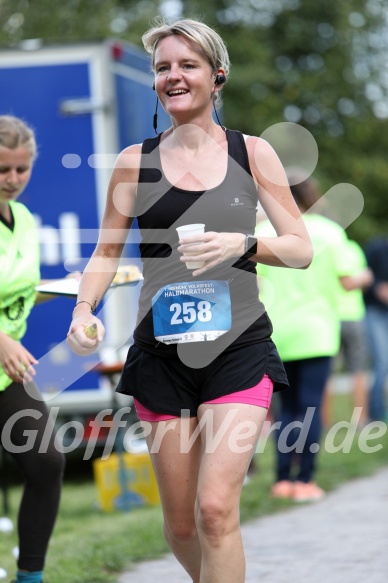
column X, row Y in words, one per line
column 16, row 360
column 85, row 334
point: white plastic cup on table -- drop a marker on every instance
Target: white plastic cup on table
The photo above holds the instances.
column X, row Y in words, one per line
column 188, row 231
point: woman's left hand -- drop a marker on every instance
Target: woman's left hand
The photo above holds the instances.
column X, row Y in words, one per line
column 212, row 247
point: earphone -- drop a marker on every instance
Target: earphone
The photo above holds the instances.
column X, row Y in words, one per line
column 220, row 79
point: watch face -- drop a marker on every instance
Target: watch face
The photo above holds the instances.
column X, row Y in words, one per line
column 251, row 245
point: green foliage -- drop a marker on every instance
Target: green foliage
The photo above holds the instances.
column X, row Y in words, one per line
column 314, row 63
column 90, row 546
column 55, row 21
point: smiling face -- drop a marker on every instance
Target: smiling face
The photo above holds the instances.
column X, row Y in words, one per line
column 15, row 172
column 184, row 79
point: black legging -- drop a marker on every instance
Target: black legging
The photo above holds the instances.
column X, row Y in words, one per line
column 42, row 471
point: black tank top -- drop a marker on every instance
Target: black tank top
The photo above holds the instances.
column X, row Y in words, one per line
column 229, row 207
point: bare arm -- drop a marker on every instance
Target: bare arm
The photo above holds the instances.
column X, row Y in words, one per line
column 103, row 264
column 361, row 280
column 292, row 247
column 15, row 359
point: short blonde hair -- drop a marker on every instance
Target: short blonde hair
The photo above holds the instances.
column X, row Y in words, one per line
column 206, row 38
column 14, row 133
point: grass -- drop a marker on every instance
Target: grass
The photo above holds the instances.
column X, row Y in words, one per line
column 90, row 546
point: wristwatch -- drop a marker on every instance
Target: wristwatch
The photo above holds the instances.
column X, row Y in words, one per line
column 250, row 245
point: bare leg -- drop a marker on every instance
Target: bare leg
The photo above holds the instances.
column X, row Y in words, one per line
column 359, row 389
column 176, row 472
column 327, row 405
column 360, row 394
column 222, row 472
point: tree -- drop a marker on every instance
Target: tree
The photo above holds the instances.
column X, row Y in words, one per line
column 319, row 64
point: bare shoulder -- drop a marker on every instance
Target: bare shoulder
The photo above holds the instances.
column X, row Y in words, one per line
column 129, row 157
column 259, row 149
column 264, row 162
column 127, row 167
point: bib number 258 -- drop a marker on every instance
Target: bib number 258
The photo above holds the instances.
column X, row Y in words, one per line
column 189, row 312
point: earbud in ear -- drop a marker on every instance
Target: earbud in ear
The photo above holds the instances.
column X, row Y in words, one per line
column 153, row 85
column 220, row 80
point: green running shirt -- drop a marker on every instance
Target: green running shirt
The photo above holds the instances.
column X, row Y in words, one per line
column 351, row 303
column 20, row 273
column 304, row 304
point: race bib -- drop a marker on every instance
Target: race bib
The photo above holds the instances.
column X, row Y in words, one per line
column 191, row 311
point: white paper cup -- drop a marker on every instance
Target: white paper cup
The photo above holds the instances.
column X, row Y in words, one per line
column 188, row 231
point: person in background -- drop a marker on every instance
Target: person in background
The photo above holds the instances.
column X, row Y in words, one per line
column 303, row 306
column 184, row 368
column 376, row 302
column 19, row 268
column 354, row 345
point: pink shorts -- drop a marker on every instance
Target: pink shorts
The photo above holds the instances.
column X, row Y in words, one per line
column 259, row 395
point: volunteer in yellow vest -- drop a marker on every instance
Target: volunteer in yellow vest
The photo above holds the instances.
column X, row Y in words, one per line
column 303, row 307
column 354, row 344
column 19, row 268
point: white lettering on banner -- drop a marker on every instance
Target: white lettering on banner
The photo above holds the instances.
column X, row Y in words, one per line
column 182, row 292
column 191, row 286
column 59, row 244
